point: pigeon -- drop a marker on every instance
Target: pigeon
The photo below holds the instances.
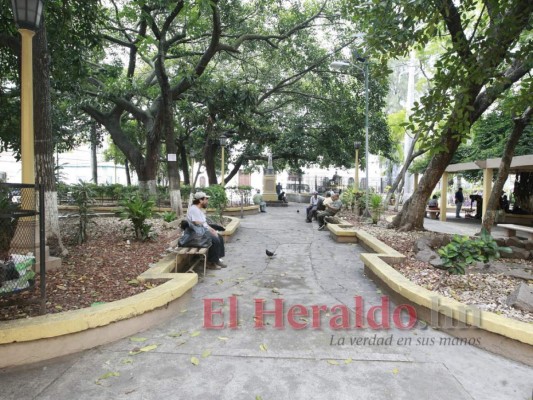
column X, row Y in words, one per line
column 269, row 253
column 298, row 211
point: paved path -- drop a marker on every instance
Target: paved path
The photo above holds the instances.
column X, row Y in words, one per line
column 247, row 363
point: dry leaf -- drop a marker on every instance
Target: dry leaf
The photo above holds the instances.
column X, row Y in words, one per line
column 105, row 376
column 395, row 371
column 348, row 361
column 263, row 347
column 195, row 361
column 223, row 338
column 196, row 333
column 138, row 339
column 333, row 362
column 206, row 353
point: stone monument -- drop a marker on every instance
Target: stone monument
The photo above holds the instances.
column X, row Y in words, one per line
column 269, row 181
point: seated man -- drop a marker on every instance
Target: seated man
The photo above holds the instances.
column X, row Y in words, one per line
column 320, row 206
column 332, row 207
column 434, row 204
column 258, row 200
column 196, row 217
column 312, row 207
column 504, row 203
column 282, row 197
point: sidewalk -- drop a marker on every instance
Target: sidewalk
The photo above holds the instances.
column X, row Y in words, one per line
column 247, row 363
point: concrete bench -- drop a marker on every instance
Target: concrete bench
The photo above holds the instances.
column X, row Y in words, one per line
column 432, row 213
column 193, row 251
column 511, row 230
column 342, row 233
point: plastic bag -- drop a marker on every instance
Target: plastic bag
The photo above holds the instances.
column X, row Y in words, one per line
column 195, row 236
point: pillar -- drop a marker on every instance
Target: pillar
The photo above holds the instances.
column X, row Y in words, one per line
column 444, row 196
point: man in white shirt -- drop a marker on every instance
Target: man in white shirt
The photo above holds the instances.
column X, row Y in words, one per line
column 196, row 216
column 333, row 205
column 312, row 207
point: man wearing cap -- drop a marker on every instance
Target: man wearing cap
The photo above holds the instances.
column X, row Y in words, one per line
column 332, row 207
column 312, row 207
column 258, row 200
column 196, row 216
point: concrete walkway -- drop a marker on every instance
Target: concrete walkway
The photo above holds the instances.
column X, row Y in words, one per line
column 249, row 363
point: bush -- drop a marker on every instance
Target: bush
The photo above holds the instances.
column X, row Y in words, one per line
column 169, row 216
column 463, row 251
column 83, row 195
column 375, row 207
column 217, row 200
column 138, row 210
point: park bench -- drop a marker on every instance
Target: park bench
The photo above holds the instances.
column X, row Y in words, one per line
column 191, row 252
column 511, row 230
column 432, row 213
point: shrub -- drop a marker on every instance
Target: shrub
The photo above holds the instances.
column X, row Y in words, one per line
column 8, row 221
column 169, row 216
column 217, row 200
column 463, row 251
column 375, row 207
column 138, row 210
column 83, row 195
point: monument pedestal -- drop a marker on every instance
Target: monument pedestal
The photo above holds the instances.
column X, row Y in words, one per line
column 269, row 186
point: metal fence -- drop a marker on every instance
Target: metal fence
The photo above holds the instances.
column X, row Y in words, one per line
column 22, row 242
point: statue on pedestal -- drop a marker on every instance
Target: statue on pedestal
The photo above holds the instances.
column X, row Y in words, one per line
column 270, row 167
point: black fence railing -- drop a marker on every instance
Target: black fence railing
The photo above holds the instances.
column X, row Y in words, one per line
column 22, row 241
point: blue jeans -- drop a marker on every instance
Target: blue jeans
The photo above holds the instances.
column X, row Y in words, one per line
column 458, row 206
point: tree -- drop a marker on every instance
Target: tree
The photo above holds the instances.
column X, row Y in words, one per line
column 488, row 51
column 170, row 47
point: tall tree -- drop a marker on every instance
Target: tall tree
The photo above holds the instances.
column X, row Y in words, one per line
column 489, row 50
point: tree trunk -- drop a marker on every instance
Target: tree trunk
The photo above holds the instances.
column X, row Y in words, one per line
column 184, row 165
column 503, row 172
column 94, row 163
column 209, row 156
column 44, row 149
column 412, row 215
column 127, row 169
column 401, row 175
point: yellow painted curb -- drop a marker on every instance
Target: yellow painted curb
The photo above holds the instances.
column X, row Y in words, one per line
column 53, row 325
column 231, row 228
column 491, row 322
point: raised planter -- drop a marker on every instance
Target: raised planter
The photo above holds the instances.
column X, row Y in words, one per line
column 496, row 333
column 48, row 336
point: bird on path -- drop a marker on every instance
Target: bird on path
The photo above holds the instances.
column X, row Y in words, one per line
column 269, row 253
column 298, row 211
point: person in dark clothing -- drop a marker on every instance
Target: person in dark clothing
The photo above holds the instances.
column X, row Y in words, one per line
column 459, row 200
column 479, row 204
column 504, row 203
column 278, row 188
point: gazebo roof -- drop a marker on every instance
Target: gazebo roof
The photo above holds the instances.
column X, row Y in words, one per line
column 519, row 163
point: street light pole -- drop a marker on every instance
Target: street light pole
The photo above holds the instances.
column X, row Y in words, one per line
column 223, row 141
column 342, row 65
column 27, row 15
column 365, row 61
column 357, row 146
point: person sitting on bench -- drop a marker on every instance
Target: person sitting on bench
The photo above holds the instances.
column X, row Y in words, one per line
column 311, row 209
column 332, row 208
column 434, row 205
column 196, row 216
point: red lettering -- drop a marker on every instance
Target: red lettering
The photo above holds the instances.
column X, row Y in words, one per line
column 297, row 310
column 317, row 318
column 396, row 316
column 341, row 321
column 359, row 312
column 385, row 316
column 260, row 312
column 233, row 313
column 209, row 312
